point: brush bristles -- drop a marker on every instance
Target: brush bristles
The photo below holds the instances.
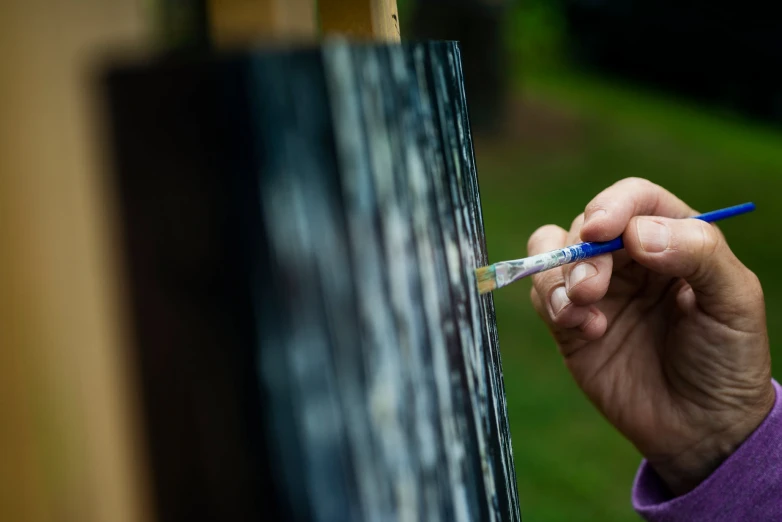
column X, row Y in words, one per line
column 485, row 276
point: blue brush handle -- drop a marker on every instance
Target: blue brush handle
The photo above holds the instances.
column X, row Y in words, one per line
column 591, row 249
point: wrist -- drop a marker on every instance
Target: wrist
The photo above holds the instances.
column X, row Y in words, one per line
column 685, row 472
column 688, row 469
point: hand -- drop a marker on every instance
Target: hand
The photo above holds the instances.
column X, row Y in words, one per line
column 668, row 337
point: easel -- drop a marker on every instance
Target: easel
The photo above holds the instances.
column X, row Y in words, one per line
column 62, row 368
column 62, row 300
column 231, row 23
column 242, row 20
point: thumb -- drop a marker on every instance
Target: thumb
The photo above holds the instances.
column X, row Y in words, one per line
column 697, row 252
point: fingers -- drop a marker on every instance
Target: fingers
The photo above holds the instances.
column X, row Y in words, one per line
column 697, row 252
column 587, row 281
column 608, row 214
column 550, row 296
column 550, row 285
column 546, row 239
column 591, row 327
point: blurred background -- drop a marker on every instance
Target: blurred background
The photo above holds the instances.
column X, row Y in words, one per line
column 589, row 92
column 566, row 97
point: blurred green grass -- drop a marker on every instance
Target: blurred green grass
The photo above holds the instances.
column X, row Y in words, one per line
column 571, row 465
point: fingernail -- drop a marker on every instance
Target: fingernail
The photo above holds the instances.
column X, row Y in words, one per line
column 559, row 300
column 596, row 214
column 654, row 236
column 580, row 273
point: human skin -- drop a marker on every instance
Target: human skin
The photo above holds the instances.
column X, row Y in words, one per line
column 668, row 337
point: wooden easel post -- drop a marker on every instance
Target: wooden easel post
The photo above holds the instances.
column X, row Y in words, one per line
column 67, row 442
column 187, row 135
column 362, row 19
column 240, row 21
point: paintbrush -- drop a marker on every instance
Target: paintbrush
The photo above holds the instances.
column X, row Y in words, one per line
column 491, row 277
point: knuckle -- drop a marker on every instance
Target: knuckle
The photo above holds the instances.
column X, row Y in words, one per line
column 540, row 234
column 699, row 246
column 632, row 186
column 577, row 222
column 754, row 283
column 710, row 240
column 639, row 189
column 634, row 182
column 546, row 283
column 595, row 205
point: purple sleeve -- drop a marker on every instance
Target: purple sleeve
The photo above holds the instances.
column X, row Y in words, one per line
column 747, row 486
